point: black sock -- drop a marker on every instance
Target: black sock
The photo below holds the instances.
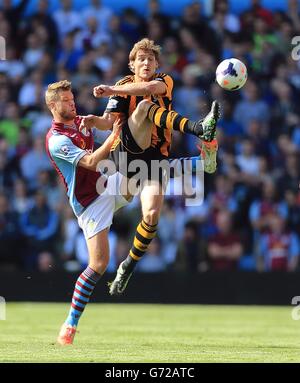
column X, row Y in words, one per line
column 129, row 264
column 193, row 128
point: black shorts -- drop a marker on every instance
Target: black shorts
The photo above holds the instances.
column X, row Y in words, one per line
column 134, row 162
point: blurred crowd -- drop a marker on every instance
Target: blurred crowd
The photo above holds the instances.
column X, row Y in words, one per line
column 250, row 217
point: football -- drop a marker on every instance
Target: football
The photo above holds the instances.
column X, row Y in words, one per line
column 231, row 74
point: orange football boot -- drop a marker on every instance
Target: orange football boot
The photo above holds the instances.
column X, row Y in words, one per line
column 66, row 334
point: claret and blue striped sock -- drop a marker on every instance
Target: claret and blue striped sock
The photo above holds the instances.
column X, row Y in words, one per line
column 84, row 288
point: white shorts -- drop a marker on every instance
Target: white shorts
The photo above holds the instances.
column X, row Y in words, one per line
column 99, row 214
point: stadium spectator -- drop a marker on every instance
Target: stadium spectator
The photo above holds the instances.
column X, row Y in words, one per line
column 91, row 37
column 34, row 161
column 24, row 143
column 85, row 76
column 132, row 26
column 13, row 67
column 13, row 13
column 293, row 217
column 258, row 134
column 229, row 21
column 252, row 107
column 222, row 197
column 291, row 174
column 9, row 126
column 46, row 68
column 67, row 19
column 8, row 170
column 118, row 40
column 31, row 91
column 39, row 225
column 34, row 51
column 156, row 30
column 103, row 14
column 263, row 208
column 232, row 129
column 190, row 254
column 255, row 11
column 293, row 14
column 103, row 59
column 170, row 228
column 248, row 162
column 173, row 60
column 154, row 11
column 197, row 25
column 21, row 201
column 40, row 121
column 224, row 248
column 285, row 113
column 42, row 17
column 278, row 249
column 188, row 91
column 11, row 243
column 69, row 55
column 265, row 42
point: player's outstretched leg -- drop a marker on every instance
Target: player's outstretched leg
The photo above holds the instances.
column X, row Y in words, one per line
column 98, row 248
column 204, row 128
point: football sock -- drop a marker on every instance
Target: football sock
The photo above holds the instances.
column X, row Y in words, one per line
column 143, row 236
column 172, row 120
column 84, row 288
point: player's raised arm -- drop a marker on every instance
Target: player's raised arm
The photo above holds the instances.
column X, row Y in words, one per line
column 154, row 87
column 91, row 161
column 104, row 122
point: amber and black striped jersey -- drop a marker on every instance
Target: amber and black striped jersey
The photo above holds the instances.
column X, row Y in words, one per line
column 161, row 138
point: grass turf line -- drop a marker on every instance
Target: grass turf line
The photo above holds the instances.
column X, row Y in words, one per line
column 151, row 333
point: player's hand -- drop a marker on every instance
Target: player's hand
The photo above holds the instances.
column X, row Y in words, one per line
column 87, row 122
column 117, row 126
column 103, row 91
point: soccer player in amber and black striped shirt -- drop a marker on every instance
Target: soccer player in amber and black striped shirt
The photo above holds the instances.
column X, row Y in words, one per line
column 144, row 98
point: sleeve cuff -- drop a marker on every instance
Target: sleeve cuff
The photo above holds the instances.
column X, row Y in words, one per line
column 78, row 158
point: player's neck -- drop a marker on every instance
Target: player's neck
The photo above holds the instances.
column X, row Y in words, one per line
column 67, row 124
column 62, row 120
column 139, row 79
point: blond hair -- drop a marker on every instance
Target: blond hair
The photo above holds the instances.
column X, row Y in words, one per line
column 54, row 89
column 145, row 45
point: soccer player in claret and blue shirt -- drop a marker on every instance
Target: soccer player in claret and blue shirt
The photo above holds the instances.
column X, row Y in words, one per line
column 93, row 197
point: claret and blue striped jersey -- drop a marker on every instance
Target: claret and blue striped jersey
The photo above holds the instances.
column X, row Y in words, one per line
column 65, row 146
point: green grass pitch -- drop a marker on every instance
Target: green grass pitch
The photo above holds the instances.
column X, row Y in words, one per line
column 151, row 333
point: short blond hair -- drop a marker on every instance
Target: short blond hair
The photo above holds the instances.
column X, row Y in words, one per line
column 54, row 89
column 145, row 45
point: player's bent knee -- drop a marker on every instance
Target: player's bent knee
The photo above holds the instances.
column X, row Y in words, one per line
column 143, row 106
column 151, row 217
column 99, row 265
